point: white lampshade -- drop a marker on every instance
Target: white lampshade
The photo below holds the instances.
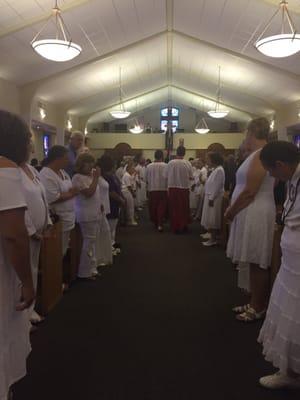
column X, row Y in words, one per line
column 136, row 130
column 217, row 113
column 42, row 113
column 56, row 50
column 278, row 46
column 202, row 127
column 69, row 124
column 120, row 114
column 202, row 131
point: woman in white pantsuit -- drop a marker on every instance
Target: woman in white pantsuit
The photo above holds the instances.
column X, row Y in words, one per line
column 103, row 244
column 213, row 196
column 252, row 212
column 59, row 190
column 280, row 334
column 87, row 208
column 129, row 194
column 37, row 220
column 16, row 284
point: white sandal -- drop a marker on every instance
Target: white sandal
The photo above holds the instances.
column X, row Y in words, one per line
column 241, row 309
column 250, row 315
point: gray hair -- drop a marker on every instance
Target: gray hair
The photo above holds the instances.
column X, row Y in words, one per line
column 77, row 134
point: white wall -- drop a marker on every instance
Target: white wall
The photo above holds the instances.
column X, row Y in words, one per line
column 188, row 118
column 285, row 117
column 9, row 96
column 99, row 142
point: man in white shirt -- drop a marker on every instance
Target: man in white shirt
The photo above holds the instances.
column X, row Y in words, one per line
column 180, row 175
column 157, row 188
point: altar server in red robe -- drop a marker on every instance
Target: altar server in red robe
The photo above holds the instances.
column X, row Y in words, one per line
column 180, row 175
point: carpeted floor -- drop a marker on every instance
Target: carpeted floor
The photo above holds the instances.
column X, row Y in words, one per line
column 156, row 326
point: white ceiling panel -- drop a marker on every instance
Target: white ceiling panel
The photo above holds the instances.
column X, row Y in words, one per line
column 109, row 25
column 131, row 34
column 233, row 25
column 142, row 66
column 197, row 64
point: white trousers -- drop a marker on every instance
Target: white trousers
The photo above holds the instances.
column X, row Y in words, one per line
column 103, row 242
column 129, row 206
column 65, row 241
column 87, row 263
column 35, row 247
column 113, row 228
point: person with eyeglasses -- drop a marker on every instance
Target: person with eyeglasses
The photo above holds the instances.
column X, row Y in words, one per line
column 280, row 334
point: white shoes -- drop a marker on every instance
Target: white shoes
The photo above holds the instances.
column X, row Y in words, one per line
column 133, row 223
column 35, row 318
column 279, row 381
column 210, row 242
column 205, row 235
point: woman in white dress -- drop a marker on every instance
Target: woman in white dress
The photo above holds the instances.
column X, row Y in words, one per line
column 116, row 200
column 37, row 220
column 252, row 212
column 213, row 196
column 59, row 190
column 16, row 284
column 128, row 191
column 193, row 195
column 87, row 208
column 103, row 244
column 140, row 182
column 280, row 334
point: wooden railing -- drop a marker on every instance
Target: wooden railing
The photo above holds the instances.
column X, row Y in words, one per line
column 49, row 290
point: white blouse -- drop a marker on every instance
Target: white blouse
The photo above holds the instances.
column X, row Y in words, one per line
column 104, row 194
column 127, row 181
column 179, row 174
column 86, row 208
column 214, row 186
column 156, row 176
column 291, row 234
column 37, row 214
column 55, row 185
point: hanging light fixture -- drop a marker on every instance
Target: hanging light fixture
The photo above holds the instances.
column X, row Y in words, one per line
column 42, row 113
column 202, row 127
column 217, row 112
column 61, row 48
column 283, row 44
column 135, row 126
column 121, row 113
column 136, row 129
column 69, row 124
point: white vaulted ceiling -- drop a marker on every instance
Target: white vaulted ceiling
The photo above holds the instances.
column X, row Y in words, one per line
column 164, row 47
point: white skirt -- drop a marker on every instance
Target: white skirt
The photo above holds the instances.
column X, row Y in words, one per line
column 251, row 235
column 280, row 334
column 103, row 242
column 212, row 216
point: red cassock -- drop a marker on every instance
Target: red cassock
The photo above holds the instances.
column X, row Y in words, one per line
column 158, row 204
column 179, row 209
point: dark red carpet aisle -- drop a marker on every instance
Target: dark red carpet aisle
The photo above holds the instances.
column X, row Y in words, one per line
column 157, row 326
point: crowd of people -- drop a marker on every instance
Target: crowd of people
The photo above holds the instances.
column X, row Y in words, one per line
column 74, row 187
